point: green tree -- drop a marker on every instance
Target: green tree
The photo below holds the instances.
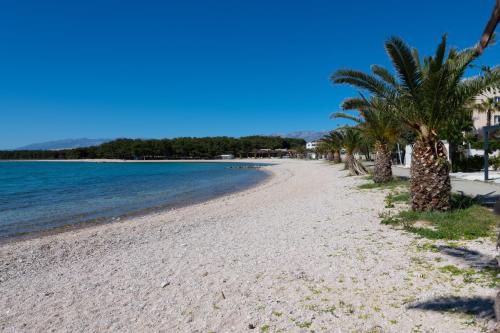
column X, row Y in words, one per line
column 332, row 143
column 378, row 125
column 351, row 141
column 178, row 148
column 425, row 96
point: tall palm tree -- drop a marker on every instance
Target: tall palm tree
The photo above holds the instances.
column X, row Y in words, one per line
column 333, row 142
column 380, row 126
column 351, row 141
column 488, row 106
column 425, row 96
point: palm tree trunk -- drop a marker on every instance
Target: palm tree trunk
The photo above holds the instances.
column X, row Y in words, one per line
column 382, row 169
column 430, row 185
column 488, row 118
column 354, row 166
column 336, row 156
column 490, row 27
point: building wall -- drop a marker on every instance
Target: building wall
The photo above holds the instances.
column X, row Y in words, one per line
column 480, row 118
column 311, row 145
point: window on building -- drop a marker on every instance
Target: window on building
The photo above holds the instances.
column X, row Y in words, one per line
column 497, row 99
column 496, row 120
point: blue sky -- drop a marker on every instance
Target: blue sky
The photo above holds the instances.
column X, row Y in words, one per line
column 152, row 69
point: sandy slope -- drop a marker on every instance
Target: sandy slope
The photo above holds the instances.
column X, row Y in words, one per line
column 304, row 251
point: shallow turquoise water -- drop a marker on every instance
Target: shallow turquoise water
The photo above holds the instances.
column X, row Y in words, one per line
column 37, row 196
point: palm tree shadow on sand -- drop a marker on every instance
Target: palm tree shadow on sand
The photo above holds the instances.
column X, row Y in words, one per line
column 481, row 307
column 472, row 258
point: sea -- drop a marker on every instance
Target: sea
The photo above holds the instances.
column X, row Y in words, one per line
column 42, row 196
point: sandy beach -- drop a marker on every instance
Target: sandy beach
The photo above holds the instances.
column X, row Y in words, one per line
column 302, row 252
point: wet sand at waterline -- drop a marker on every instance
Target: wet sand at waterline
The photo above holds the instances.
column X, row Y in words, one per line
column 302, row 251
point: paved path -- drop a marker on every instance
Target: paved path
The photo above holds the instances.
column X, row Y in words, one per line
column 489, row 192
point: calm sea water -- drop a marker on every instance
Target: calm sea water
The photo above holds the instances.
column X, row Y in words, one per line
column 37, row 196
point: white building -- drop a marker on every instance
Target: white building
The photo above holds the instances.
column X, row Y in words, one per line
column 312, row 145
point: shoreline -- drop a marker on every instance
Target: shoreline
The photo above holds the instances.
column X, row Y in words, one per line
column 104, row 160
column 142, row 213
column 303, row 250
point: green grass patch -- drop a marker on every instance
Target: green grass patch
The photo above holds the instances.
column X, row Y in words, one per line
column 400, row 197
column 277, row 313
column 394, row 183
column 454, row 270
column 466, row 223
column 487, row 276
column 396, row 196
column 305, row 324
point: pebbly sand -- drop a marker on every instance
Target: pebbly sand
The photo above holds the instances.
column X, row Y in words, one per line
column 302, row 252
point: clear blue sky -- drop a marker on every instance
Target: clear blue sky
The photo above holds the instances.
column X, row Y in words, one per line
column 151, row 69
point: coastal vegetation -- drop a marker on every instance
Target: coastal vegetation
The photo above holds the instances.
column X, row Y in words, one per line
column 351, row 140
column 331, row 144
column 178, row 148
column 379, row 126
column 429, row 97
column 466, row 219
column 467, row 223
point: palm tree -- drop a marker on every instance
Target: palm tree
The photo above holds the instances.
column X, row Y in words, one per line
column 425, row 96
column 488, row 106
column 324, row 149
column 489, row 30
column 379, row 125
column 351, row 141
column 333, row 142
column 321, row 150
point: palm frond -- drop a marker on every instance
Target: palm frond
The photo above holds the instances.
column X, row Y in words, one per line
column 470, row 88
column 416, row 57
column 351, row 138
column 355, row 103
column 425, row 96
column 437, row 61
column 384, row 74
column 360, row 80
column 347, row 116
column 402, row 59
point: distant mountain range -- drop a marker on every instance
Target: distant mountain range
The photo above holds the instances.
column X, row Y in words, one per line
column 85, row 142
column 306, row 135
column 64, row 144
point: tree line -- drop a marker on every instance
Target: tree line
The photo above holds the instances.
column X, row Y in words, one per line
column 178, row 148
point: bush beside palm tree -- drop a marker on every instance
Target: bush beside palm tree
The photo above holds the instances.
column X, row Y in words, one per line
column 425, row 96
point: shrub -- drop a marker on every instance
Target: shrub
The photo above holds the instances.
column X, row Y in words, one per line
column 493, row 145
column 473, row 163
column 495, row 162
